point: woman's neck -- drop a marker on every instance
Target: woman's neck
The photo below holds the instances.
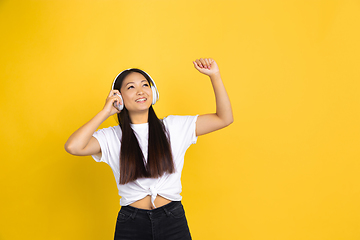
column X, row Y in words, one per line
column 139, row 117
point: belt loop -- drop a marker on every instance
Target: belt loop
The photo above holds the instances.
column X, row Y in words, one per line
column 134, row 214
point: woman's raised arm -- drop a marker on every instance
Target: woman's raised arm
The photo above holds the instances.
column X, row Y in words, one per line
column 81, row 142
column 223, row 117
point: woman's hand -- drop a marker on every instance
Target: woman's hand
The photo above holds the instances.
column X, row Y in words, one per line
column 109, row 107
column 206, row 66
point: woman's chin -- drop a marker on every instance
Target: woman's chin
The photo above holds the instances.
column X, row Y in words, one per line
column 139, row 109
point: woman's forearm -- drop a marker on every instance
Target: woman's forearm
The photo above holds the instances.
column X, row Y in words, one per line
column 223, row 105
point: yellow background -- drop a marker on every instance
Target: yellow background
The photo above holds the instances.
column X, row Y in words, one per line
column 286, row 169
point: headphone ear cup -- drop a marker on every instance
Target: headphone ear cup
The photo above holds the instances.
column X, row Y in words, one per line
column 155, row 95
column 121, row 107
column 118, row 105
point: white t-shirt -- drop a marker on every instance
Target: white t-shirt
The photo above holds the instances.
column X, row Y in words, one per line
column 182, row 134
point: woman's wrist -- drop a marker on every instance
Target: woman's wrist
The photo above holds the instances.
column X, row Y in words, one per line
column 104, row 114
column 215, row 76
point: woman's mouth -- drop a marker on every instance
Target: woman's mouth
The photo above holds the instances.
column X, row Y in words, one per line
column 140, row 100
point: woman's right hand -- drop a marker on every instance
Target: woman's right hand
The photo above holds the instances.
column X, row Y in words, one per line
column 109, row 107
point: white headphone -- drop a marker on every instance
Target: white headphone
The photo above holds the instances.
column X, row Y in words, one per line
column 154, row 90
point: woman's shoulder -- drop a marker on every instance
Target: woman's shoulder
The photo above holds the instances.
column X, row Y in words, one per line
column 179, row 120
column 110, row 131
column 115, row 128
column 170, row 118
column 182, row 130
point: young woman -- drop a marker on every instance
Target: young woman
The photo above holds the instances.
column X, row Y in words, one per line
column 146, row 154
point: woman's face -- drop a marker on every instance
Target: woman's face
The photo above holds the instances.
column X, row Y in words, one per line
column 136, row 92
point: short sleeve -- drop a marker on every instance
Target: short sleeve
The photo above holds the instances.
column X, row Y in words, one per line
column 109, row 142
column 182, row 130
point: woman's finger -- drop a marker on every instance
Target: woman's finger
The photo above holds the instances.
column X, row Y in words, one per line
column 208, row 63
column 200, row 64
column 114, row 91
column 119, row 100
column 196, row 65
column 115, row 98
column 200, row 69
column 203, row 62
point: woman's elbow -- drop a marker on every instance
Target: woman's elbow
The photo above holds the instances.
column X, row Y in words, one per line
column 69, row 149
column 228, row 121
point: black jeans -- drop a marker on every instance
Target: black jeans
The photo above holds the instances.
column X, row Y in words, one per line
column 164, row 223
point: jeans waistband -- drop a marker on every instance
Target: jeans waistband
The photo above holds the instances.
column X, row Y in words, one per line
column 166, row 209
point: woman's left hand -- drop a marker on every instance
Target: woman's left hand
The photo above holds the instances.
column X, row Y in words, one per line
column 206, row 66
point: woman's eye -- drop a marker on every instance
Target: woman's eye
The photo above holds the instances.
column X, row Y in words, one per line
column 146, row 85
column 130, row 87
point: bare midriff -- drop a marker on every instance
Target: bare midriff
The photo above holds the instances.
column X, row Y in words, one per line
column 145, row 203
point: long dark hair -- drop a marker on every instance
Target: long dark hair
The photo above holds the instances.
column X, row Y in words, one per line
column 132, row 161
